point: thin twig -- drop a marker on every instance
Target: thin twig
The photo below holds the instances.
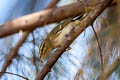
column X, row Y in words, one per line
column 101, row 55
column 33, row 51
column 16, row 75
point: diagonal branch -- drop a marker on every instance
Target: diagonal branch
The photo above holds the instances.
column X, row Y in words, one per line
column 16, row 75
column 71, row 37
column 13, row 53
column 32, row 21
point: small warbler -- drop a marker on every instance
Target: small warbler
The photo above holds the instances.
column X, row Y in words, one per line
column 56, row 37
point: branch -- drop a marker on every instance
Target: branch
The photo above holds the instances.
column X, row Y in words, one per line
column 16, row 75
column 108, row 71
column 13, row 53
column 100, row 49
column 22, row 40
column 32, row 21
column 71, row 37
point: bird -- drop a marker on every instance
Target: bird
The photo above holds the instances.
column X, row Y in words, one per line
column 56, row 37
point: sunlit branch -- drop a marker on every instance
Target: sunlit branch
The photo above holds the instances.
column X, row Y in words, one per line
column 34, row 20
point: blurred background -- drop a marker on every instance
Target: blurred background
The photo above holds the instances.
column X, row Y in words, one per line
column 82, row 62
